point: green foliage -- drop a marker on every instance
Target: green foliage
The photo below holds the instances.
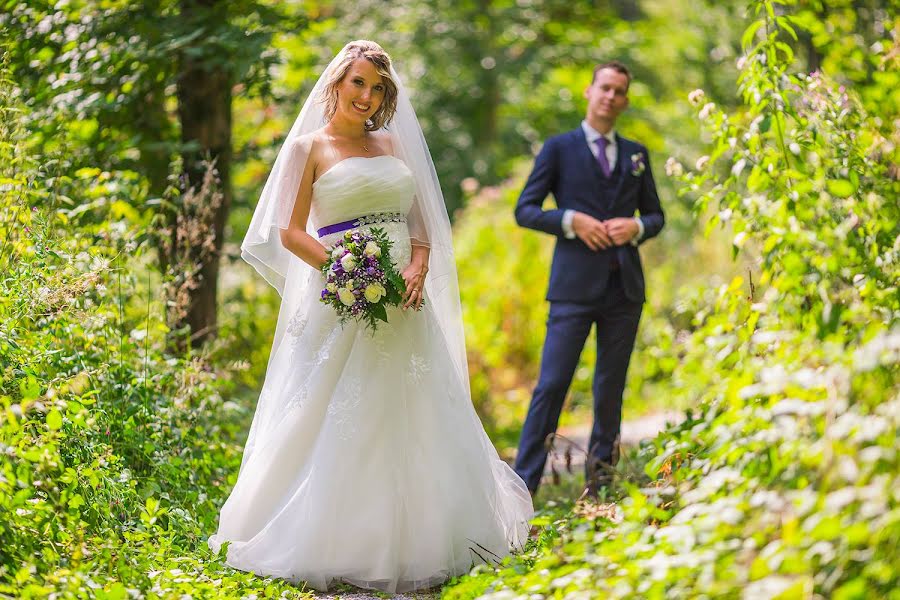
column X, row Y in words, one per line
column 491, row 79
column 504, row 310
column 848, row 38
column 114, row 453
column 783, row 482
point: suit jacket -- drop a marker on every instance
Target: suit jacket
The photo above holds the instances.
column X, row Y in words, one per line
column 566, row 168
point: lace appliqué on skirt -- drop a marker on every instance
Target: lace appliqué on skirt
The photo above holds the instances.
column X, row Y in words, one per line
column 418, row 368
column 347, row 398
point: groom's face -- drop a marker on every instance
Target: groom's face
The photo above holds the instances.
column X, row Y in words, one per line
column 607, row 95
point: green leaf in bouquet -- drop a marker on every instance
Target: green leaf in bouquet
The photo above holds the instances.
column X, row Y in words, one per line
column 380, row 312
column 396, row 280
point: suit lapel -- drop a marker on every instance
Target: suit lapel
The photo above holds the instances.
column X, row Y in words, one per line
column 620, row 174
column 623, row 164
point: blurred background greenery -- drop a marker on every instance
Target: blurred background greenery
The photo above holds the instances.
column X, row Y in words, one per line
column 130, row 330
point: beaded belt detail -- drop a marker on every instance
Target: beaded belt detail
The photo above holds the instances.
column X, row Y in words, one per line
column 385, row 217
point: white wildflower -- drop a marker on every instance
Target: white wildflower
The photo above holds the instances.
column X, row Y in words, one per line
column 673, row 167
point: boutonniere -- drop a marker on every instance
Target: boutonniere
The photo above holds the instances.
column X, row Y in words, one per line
column 638, row 164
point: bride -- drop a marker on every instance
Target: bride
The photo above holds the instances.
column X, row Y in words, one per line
column 366, row 462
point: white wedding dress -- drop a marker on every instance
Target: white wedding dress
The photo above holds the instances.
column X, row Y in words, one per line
column 375, row 470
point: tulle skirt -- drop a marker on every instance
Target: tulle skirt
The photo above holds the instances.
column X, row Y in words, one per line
column 367, row 464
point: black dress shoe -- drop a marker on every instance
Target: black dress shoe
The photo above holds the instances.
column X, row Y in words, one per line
column 594, row 485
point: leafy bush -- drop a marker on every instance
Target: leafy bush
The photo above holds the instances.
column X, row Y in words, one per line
column 115, row 454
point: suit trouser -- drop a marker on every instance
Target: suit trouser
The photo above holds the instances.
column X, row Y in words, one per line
column 568, row 326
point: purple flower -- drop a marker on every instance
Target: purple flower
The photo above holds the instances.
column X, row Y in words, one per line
column 637, row 164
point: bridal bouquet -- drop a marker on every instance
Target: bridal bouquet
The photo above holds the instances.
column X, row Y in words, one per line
column 361, row 281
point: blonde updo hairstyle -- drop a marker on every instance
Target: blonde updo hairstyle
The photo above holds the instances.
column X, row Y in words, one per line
column 376, row 55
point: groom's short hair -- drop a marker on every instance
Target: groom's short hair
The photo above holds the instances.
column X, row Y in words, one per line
column 615, row 65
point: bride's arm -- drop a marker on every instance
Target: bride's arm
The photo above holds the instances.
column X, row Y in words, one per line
column 294, row 237
column 414, row 276
column 414, row 273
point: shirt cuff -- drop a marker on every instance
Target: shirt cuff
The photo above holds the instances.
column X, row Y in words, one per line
column 568, row 230
column 640, row 233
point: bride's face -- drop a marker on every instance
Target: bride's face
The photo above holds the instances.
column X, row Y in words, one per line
column 360, row 92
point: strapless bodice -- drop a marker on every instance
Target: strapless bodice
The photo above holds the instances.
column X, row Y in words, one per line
column 359, row 186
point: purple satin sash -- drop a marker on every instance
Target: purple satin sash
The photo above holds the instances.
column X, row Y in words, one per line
column 343, row 225
column 360, row 221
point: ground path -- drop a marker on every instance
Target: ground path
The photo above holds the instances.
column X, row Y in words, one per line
column 633, row 431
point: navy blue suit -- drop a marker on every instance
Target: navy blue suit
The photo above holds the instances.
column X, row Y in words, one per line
column 605, row 288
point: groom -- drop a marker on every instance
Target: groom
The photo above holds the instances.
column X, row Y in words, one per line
column 598, row 179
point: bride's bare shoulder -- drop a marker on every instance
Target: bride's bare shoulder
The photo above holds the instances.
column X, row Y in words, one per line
column 317, row 147
column 310, row 142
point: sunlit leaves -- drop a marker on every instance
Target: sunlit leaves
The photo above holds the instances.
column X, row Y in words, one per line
column 841, row 188
column 93, row 422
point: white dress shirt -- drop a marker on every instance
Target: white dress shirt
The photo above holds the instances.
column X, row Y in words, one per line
column 612, row 154
column 612, row 148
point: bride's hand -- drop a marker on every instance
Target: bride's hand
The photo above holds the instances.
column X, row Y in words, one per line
column 414, row 277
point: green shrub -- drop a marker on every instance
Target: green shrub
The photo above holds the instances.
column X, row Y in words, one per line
column 115, row 453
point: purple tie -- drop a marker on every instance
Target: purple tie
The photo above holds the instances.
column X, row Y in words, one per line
column 602, row 143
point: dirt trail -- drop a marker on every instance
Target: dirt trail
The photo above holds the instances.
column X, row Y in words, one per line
column 633, row 431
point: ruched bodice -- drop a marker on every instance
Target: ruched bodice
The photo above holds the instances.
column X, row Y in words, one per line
column 360, row 185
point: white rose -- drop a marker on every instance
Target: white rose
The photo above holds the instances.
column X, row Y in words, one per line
column 331, row 287
column 372, row 249
column 346, row 297
column 374, row 292
column 336, row 252
column 348, row 262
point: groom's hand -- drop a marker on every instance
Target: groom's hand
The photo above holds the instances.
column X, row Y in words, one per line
column 591, row 231
column 621, row 230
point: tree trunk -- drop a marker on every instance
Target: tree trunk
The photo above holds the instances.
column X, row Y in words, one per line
column 204, row 112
